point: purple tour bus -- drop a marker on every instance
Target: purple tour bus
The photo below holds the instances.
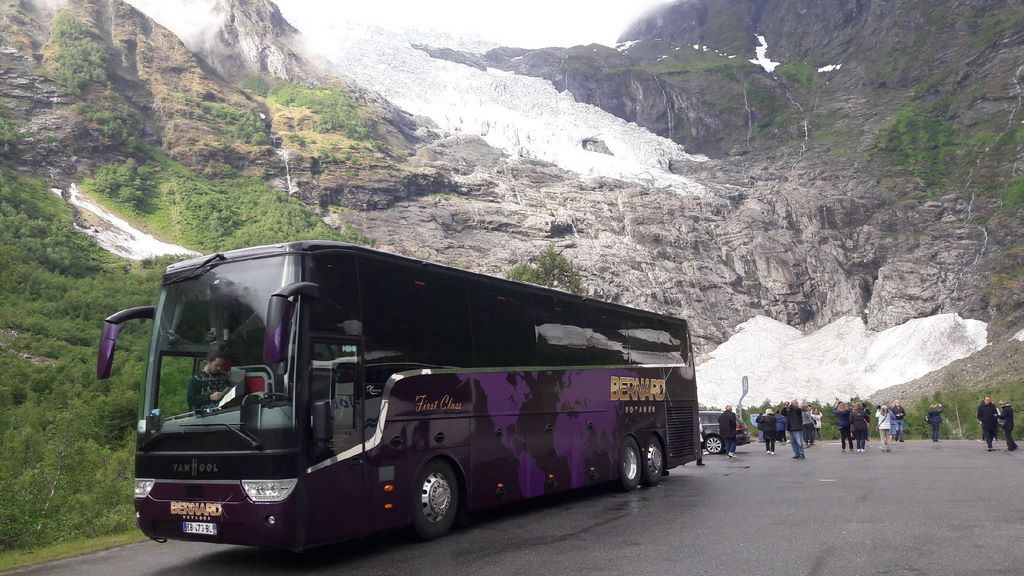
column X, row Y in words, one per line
column 366, row 391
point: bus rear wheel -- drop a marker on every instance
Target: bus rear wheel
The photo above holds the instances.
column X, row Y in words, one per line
column 629, row 464
column 653, row 462
column 435, row 500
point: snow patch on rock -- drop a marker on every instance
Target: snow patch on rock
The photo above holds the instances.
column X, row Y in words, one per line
column 843, row 359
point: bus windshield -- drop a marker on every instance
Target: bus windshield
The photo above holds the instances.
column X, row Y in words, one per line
column 207, row 387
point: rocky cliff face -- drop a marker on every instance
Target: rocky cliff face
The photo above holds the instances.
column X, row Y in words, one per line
column 829, row 198
column 893, row 157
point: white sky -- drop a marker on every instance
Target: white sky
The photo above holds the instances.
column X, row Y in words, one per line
column 522, row 23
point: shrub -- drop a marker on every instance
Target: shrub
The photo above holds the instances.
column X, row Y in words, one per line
column 80, row 60
column 126, row 184
column 552, row 269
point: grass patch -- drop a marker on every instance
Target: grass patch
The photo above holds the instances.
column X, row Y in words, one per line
column 332, row 109
column 800, row 73
column 14, row 559
column 922, row 141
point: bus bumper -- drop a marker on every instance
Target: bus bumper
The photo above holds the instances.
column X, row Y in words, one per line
column 223, row 514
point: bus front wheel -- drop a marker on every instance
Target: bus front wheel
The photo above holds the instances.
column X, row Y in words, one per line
column 653, row 462
column 629, row 464
column 435, row 500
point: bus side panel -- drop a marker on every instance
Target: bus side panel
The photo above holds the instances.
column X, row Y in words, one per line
column 539, row 432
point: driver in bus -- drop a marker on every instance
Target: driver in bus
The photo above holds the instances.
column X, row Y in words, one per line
column 210, row 384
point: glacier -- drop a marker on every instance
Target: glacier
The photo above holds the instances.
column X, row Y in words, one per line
column 525, row 117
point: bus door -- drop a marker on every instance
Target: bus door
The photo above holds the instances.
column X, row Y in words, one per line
column 337, row 471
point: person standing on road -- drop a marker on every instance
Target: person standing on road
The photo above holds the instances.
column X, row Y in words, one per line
column 766, row 425
column 859, row 424
column 988, row 416
column 884, row 418
column 795, row 425
column 700, row 454
column 842, row 412
column 727, row 430
column 1007, row 418
column 898, row 413
column 808, row 425
column 935, row 419
column 816, row 415
column 780, row 425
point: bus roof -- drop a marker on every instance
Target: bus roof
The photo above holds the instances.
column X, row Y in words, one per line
column 311, row 246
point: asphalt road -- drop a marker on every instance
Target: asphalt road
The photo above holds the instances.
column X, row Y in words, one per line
column 936, row 509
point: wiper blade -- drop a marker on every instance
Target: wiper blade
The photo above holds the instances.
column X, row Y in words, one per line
column 201, row 269
column 253, row 441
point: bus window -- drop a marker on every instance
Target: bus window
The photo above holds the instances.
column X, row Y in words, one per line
column 503, row 328
column 333, row 377
column 606, row 341
column 561, row 331
column 336, row 311
column 651, row 342
column 413, row 318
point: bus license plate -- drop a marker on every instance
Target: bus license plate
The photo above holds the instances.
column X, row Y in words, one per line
column 207, row 528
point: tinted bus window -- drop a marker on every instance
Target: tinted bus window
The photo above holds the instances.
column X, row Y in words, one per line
column 336, row 311
column 651, row 342
column 503, row 329
column 680, row 334
column 414, row 318
column 561, row 331
column 606, row 340
column 392, row 314
column 444, row 307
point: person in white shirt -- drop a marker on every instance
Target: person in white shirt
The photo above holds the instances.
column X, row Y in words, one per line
column 884, row 418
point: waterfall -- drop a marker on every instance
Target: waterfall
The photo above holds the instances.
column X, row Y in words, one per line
column 285, row 155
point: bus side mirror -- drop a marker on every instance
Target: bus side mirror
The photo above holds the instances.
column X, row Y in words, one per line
column 323, row 421
column 279, row 319
column 111, row 330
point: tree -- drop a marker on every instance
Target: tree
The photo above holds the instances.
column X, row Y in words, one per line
column 552, row 269
column 9, row 138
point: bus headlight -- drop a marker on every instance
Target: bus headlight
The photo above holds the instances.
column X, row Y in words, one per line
column 143, row 486
column 268, row 490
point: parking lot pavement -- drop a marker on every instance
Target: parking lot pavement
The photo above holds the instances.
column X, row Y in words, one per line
column 935, row 509
column 925, row 508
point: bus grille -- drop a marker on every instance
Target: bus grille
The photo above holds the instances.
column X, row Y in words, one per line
column 680, row 431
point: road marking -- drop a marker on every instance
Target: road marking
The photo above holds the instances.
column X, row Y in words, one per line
column 826, row 479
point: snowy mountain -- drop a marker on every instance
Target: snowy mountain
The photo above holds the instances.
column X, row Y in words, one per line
column 820, row 204
column 525, row 117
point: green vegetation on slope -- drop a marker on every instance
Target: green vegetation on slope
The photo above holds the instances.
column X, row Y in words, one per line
column 80, row 60
column 922, row 140
column 207, row 214
column 65, row 439
column 335, row 111
column 9, row 139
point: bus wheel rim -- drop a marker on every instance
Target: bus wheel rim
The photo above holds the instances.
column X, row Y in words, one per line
column 630, row 464
column 654, row 459
column 436, row 497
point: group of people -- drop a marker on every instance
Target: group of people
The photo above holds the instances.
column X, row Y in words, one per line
column 804, row 424
column 992, row 419
column 854, row 423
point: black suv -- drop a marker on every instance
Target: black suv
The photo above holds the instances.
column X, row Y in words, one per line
column 713, row 443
